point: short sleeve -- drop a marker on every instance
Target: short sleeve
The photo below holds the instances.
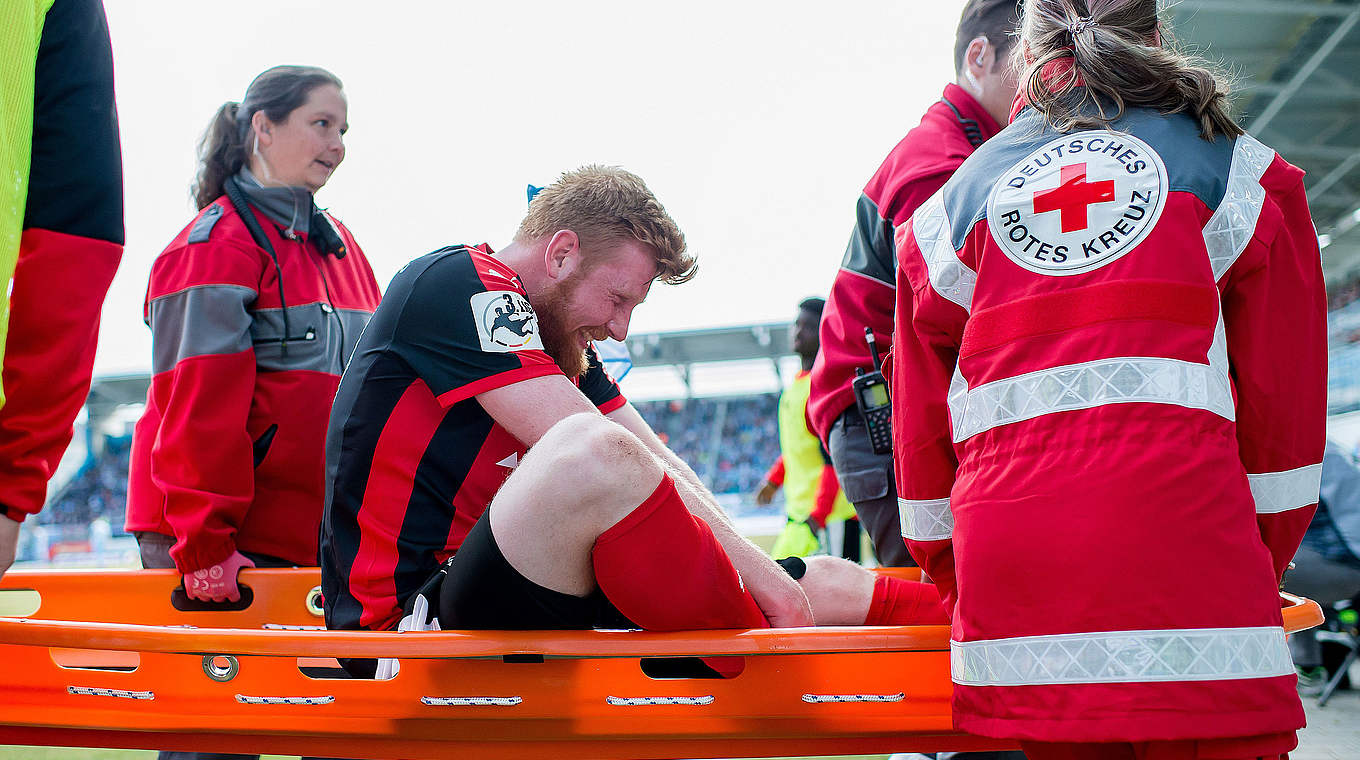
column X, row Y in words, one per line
column 467, row 327
column 598, row 386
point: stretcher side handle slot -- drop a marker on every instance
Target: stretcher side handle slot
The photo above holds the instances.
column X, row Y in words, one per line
column 181, row 601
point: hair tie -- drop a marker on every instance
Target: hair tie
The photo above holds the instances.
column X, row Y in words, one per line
column 1080, row 25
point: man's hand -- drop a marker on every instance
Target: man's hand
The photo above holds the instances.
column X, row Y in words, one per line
column 217, row 583
column 765, row 494
column 780, row 598
column 9, row 542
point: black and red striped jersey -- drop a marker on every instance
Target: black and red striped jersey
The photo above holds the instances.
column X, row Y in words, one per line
column 412, row 458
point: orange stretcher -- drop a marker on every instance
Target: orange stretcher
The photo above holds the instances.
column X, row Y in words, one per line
column 264, row 679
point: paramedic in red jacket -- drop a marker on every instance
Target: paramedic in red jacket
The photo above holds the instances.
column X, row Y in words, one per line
column 968, row 112
column 1109, row 391
column 249, row 343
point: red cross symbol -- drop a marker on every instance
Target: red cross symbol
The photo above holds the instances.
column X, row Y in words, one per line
column 1072, row 196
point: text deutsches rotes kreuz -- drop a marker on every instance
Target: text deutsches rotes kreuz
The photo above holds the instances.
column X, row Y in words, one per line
column 1078, row 202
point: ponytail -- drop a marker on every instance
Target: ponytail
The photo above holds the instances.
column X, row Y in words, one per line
column 1108, row 44
column 221, row 153
column 224, row 147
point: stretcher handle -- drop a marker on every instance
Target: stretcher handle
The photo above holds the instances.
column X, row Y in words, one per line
column 1299, row 614
column 180, row 600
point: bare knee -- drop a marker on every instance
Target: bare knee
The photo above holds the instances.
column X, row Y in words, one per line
column 840, row 591
column 596, row 464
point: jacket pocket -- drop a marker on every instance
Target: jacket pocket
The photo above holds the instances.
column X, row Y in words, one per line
column 262, row 444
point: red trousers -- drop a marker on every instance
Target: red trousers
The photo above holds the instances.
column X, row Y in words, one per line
column 1262, row 747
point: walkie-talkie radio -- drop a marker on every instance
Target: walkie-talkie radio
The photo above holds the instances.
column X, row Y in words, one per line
column 871, row 396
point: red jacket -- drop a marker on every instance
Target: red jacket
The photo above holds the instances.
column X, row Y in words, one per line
column 863, row 293
column 1111, row 346
column 230, row 451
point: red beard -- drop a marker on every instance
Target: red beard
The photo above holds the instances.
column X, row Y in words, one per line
column 558, row 340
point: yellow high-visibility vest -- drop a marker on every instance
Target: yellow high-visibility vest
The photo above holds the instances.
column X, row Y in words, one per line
column 803, row 458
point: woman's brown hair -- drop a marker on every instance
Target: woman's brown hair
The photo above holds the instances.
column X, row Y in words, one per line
column 224, row 148
column 1114, row 54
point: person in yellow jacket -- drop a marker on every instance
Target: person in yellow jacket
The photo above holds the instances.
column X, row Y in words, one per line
column 61, row 234
column 812, row 495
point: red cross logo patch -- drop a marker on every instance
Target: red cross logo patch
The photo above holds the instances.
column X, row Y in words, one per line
column 1078, row 203
column 1072, row 196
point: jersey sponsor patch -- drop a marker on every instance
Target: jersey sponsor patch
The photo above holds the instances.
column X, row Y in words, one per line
column 1078, row 203
column 505, row 321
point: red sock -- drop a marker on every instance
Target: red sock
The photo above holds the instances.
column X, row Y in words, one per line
column 902, row 602
column 664, row 570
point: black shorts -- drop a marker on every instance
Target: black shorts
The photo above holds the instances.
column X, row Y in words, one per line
column 482, row 591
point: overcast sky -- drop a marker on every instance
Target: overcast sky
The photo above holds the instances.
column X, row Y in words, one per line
column 755, row 123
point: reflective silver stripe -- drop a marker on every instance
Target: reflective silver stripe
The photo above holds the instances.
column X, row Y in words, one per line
column 1204, row 654
column 948, row 276
column 314, row 342
column 1282, row 491
column 925, row 519
column 1121, row 380
column 1230, row 228
column 957, row 400
column 199, row 321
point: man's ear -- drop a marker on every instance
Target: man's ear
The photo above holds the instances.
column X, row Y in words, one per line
column 976, row 62
column 563, row 254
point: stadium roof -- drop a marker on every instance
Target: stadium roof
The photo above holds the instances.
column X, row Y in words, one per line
column 679, row 348
column 1296, row 64
column 108, row 392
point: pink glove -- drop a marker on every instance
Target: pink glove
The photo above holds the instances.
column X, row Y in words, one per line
column 217, row 583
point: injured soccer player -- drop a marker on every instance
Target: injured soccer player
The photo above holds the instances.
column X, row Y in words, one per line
column 475, row 431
